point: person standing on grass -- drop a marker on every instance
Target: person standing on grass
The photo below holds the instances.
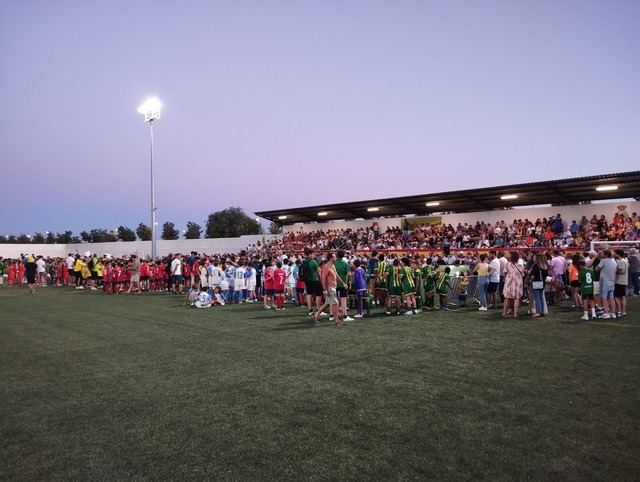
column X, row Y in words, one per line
column 31, row 269
column 513, row 286
column 482, row 271
column 311, row 278
column 539, row 273
column 176, row 274
column 342, row 268
column 442, row 287
column 330, row 290
column 360, row 287
column 622, row 280
column 634, row 271
column 607, row 269
column 585, row 276
column 494, row 280
column 134, row 269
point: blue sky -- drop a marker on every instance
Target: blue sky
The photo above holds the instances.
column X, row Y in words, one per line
column 280, row 104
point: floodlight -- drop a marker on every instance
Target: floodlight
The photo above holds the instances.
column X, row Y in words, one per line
column 150, row 109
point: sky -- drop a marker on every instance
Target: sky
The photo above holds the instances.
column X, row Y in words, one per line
column 276, row 104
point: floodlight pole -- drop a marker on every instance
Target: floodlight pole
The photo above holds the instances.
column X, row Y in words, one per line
column 153, row 197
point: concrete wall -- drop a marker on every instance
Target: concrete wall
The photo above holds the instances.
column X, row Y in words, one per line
column 568, row 214
column 141, row 248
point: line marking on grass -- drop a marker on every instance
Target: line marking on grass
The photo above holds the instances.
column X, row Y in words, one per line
column 611, row 324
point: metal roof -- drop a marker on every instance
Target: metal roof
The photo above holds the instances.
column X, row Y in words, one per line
column 578, row 190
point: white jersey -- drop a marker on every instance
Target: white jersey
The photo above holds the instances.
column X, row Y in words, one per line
column 238, row 279
column 216, row 275
column 70, row 262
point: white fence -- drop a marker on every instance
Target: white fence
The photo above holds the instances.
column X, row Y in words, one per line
column 141, row 248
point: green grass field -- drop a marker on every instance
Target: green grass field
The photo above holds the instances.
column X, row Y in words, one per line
column 97, row 387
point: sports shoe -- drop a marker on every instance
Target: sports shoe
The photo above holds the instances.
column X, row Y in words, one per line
column 358, row 316
column 482, row 308
column 606, row 316
column 418, row 311
column 409, row 313
column 613, row 315
column 388, row 312
column 585, row 317
column 310, row 313
column 331, row 318
column 347, row 318
column 324, row 314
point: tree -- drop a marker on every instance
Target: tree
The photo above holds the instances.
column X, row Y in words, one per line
column 38, row 238
column 23, row 239
column 230, row 223
column 86, row 237
column 51, row 238
column 126, row 234
column 193, row 231
column 275, row 228
column 75, row 240
column 169, row 231
column 144, row 232
column 64, row 238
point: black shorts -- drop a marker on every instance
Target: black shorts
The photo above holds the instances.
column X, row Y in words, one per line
column 31, row 279
column 269, row 291
column 94, row 275
column 619, row 291
column 492, row 287
column 342, row 292
column 587, row 297
column 575, row 283
column 144, row 278
column 314, row 288
column 278, row 292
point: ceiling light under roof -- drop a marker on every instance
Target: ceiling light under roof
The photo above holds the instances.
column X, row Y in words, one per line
column 282, row 217
column 509, row 196
column 609, row 187
column 433, row 203
column 323, row 213
column 373, row 210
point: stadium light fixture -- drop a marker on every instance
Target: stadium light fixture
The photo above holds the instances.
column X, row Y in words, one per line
column 151, row 111
column 282, row 217
column 373, row 210
column 323, row 213
column 610, row 187
column 433, row 203
column 509, row 196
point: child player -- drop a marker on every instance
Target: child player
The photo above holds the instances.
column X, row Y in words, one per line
column 394, row 286
column 442, row 287
column 408, row 286
column 462, row 289
column 279, row 278
column 107, row 275
column 585, row 276
column 359, row 286
column 268, row 285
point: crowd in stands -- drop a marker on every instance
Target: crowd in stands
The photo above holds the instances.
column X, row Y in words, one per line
column 552, row 232
column 339, row 269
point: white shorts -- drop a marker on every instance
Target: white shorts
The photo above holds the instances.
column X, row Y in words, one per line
column 251, row 286
column 596, row 288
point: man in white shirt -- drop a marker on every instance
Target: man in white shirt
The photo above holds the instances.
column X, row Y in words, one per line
column 176, row 274
column 70, row 262
column 494, row 280
column 607, row 269
column 40, row 268
column 622, row 281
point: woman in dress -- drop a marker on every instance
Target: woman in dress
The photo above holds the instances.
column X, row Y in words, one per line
column 513, row 283
column 539, row 273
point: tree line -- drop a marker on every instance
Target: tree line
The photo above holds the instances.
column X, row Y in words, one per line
column 228, row 223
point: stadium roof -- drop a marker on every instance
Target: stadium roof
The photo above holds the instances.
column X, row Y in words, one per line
column 577, row 190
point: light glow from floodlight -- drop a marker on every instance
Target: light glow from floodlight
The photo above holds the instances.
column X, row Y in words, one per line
column 373, row 210
column 509, row 196
column 433, row 203
column 150, row 108
column 610, row 187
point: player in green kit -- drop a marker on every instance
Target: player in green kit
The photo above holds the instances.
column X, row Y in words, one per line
column 417, row 276
column 429, row 280
column 586, row 279
column 408, row 286
column 342, row 268
column 380, row 274
column 394, row 286
column 442, row 287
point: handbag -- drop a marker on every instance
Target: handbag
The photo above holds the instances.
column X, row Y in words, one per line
column 538, row 285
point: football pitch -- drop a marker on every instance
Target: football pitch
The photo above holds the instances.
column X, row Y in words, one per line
column 98, row 387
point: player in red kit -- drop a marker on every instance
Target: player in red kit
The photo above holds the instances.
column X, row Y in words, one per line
column 268, row 284
column 279, row 278
column 107, row 278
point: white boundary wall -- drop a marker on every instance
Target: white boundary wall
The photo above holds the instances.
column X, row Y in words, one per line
column 141, row 248
column 568, row 214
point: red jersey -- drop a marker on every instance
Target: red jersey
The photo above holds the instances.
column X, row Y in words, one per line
column 118, row 275
column 159, row 271
column 268, row 279
column 144, row 269
column 186, row 270
column 107, row 274
column 279, row 276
